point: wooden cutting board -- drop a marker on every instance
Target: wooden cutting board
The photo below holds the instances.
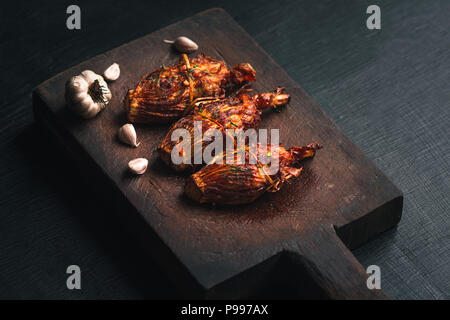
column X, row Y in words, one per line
column 296, row 237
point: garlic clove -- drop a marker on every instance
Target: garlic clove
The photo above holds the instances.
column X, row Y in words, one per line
column 127, row 134
column 183, row 44
column 112, row 73
column 138, row 166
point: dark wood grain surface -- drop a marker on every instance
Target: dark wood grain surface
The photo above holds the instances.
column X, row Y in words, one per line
column 386, row 89
column 341, row 190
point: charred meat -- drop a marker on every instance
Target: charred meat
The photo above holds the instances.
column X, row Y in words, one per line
column 238, row 184
column 164, row 94
column 239, row 112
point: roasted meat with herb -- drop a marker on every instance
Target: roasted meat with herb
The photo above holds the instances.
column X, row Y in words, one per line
column 237, row 184
column 164, row 94
column 237, row 112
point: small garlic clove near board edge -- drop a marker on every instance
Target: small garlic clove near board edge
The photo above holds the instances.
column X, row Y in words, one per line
column 127, row 134
column 138, row 166
column 112, row 73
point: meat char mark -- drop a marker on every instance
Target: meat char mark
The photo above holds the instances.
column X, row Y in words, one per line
column 229, row 184
column 240, row 112
column 164, row 94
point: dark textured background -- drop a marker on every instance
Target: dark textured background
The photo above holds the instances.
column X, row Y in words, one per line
column 389, row 90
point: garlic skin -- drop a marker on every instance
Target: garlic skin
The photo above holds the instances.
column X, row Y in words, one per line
column 127, row 134
column 183, row 44
column 138, row 166
column 112, row 73
column 87, row 94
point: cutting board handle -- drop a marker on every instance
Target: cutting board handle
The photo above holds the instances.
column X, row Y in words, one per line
column 331, row 268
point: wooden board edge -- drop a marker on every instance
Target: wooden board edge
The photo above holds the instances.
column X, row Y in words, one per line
column 344, row 231
column 59, row 74
column 357, row 232
column 118, row 204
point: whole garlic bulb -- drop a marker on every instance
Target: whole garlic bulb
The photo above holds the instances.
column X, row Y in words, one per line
column 87, row 94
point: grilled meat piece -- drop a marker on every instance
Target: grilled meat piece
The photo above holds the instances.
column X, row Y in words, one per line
column 164, row 94
column 238, row 184
column 240, row 112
